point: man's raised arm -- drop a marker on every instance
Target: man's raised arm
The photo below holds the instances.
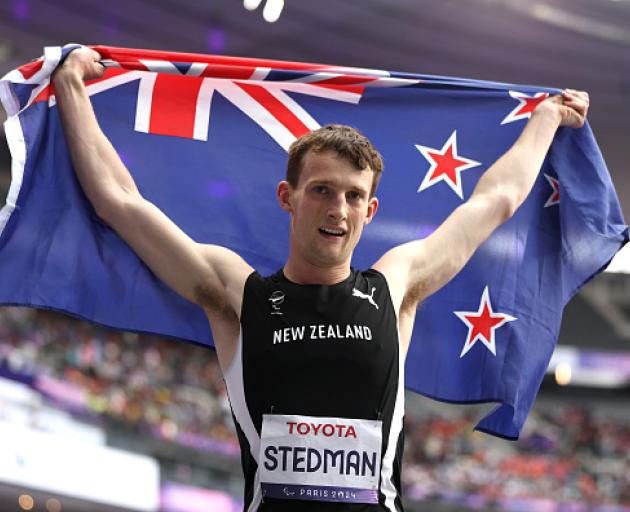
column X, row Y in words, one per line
column 209, row 275
column 419, row 268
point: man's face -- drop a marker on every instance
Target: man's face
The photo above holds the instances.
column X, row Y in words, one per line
column 329, row 208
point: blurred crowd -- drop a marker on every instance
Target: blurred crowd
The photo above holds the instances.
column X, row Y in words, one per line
column 171, row 388
column 566, row 453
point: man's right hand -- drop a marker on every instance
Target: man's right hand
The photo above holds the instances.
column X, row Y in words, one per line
column 83, row 62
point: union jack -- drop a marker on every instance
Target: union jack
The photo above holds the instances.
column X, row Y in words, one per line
column 170, row 105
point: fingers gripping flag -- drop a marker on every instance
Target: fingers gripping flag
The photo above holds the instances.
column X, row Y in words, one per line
column 206, row 137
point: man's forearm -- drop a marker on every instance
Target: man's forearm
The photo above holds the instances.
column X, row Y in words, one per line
column 99, row 169
column 513, row 175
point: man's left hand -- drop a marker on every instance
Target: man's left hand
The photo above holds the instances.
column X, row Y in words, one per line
column 571, row 107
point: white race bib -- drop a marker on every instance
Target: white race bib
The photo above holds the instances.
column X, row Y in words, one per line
column 323, row 459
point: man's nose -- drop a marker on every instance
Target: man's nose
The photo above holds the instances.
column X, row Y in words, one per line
column 338, row 207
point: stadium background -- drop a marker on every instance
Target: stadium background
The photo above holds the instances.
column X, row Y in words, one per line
column 95, row 420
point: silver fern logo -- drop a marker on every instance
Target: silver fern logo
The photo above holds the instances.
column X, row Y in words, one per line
column 276, row 299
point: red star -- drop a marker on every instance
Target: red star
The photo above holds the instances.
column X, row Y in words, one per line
column 554, row 198
column 482, row 324
column 526, row 105
column 446, row 165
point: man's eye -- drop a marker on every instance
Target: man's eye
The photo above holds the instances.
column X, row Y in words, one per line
column 320, row 189
column 354, row 195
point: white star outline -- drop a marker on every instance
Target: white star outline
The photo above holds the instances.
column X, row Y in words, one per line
column 428, row 181
column 555, row 185
column 521, row 97
column 490, row 344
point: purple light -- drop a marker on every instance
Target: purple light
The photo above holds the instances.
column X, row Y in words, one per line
column 219, row 189
column 424, row 230
column 20, row 9
column 216, row 40
column 110, row 29
column 180, row 498
column 125, row 158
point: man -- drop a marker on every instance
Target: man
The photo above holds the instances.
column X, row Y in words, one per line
column 313, row 355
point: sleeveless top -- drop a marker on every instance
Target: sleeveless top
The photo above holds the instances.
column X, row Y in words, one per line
column 319, row 367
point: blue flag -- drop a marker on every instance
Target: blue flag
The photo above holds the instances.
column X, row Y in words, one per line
column 206, row 140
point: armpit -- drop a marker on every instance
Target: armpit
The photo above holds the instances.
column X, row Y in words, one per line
column 415, row 293
column 210, row 297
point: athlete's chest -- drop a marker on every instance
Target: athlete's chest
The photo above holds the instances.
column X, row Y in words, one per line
column 357, row 314
column 316, row 337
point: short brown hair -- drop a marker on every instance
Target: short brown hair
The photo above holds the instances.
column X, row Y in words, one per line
column 344, row 140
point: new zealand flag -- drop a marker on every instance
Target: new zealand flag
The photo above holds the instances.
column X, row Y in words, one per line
column 206, row 137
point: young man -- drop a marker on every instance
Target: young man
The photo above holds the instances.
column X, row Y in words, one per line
column 313, row 355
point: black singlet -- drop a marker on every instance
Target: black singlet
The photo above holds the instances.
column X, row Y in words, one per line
column 318, row 351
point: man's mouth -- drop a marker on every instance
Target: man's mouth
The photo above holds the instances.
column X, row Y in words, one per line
column 332, row 231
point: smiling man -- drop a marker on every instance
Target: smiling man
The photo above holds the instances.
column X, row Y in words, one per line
column 332, row 175
column 313, row 355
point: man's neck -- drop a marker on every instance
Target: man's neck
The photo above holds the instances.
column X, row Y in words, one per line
column 306, row 273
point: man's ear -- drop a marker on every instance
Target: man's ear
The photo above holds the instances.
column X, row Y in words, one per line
column 372, row 208
column 283, row 193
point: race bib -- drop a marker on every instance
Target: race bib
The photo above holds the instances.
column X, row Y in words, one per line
column 321, row 459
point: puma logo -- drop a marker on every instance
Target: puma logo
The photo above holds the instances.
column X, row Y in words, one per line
column 361, row 295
